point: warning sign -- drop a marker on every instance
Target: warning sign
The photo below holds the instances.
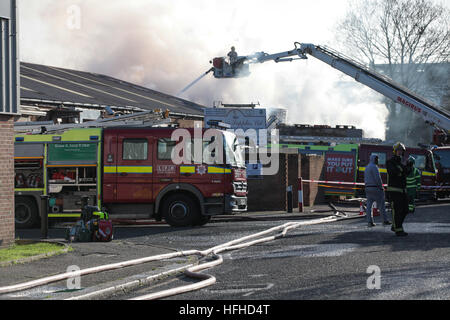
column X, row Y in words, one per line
column 340, row 166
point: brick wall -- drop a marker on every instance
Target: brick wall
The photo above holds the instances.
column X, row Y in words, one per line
column 269, row 192
column 6, row 180
column 312, row 168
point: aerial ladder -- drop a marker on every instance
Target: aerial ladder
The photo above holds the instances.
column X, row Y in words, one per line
column 432, row 114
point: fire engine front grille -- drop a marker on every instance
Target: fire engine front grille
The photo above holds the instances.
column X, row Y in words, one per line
column 239, row 186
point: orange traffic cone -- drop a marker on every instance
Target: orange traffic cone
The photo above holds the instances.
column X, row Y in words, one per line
column 361, row 208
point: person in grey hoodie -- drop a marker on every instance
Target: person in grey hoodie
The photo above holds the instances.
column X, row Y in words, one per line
column 374, row 191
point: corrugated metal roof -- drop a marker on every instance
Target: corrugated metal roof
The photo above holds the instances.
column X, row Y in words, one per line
column 40, row 82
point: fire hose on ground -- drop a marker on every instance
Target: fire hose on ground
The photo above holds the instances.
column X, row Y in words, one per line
column 229, row 246
column 191, row 271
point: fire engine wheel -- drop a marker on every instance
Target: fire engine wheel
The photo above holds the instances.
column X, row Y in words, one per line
column 180, row 210
column 25, row 213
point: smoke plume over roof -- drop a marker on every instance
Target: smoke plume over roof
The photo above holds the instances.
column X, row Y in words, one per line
column 164, row 45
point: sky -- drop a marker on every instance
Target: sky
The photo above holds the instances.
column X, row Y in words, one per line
column 166, row 44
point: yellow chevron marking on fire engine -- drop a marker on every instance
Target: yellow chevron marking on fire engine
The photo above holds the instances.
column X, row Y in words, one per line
column 109, row 169
column 424, row 173
column 28, row 189
column 218, row 170
column 64, row 215
column 128, row 169
column 362, row 169
column 187, row 169
column 211, row 170
column 27, row 158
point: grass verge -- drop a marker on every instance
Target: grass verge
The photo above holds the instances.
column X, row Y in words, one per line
column 21, row 251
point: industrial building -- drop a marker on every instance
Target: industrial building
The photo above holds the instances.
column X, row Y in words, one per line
column 321, row 134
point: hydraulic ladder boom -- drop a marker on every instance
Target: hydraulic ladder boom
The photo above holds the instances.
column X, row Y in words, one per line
column 431, row 113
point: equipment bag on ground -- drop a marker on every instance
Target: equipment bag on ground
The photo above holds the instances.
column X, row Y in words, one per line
column 94, row 226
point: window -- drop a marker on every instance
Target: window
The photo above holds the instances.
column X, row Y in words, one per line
column 190, row 149
column 165, row 149
column 381, row 157
column 207, row 153
column 420, row 161
column 135, row 149
column 443, row 157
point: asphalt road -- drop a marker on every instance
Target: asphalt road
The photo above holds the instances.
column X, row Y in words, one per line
column 328, row 261
column 339, row 260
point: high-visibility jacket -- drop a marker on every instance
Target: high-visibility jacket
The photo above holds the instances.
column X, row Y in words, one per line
column 412, row 187
column 413, row 179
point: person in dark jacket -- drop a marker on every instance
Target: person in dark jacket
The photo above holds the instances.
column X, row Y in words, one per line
column 374, row 191
column 396, row 188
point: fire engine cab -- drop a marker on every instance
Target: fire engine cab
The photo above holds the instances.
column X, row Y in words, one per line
column 130, row 172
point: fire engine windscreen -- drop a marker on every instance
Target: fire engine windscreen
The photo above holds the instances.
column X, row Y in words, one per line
column 442, row 157
column 234, row 152
column 204, row 151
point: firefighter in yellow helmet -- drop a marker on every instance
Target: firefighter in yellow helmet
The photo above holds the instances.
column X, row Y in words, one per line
column 396, row 188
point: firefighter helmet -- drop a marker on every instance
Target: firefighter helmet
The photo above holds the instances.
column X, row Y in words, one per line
column 399, row 146
column 411, row 161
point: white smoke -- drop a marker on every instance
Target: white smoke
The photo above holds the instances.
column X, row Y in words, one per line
column 164, row 45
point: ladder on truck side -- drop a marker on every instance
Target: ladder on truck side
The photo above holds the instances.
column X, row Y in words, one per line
column 149, row 118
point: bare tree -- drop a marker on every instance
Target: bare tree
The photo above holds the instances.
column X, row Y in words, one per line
column 409, row 41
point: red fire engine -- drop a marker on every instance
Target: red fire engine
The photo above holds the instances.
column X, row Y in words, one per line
column 130, row 172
